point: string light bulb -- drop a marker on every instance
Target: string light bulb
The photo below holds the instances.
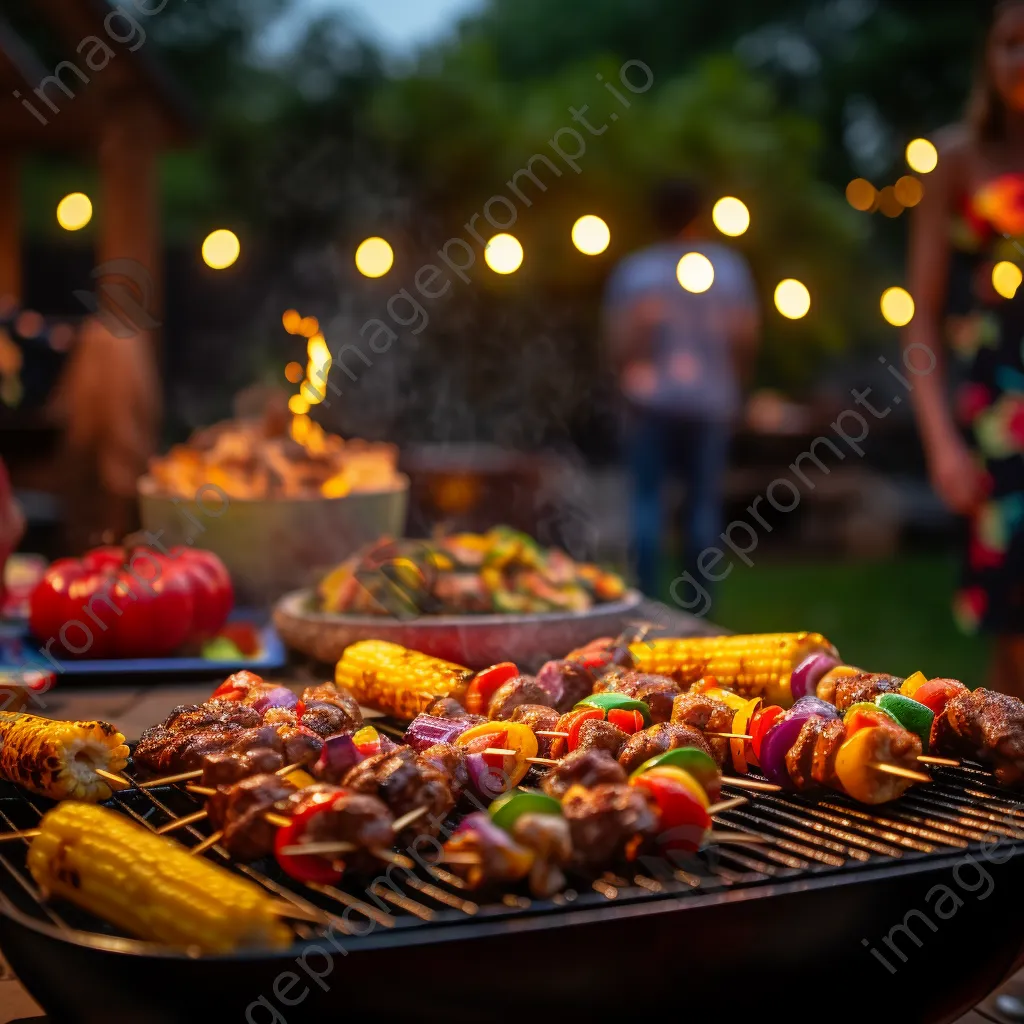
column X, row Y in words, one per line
column 731, row 216
column 792, row 299
column 695, row 272
column 897, row 306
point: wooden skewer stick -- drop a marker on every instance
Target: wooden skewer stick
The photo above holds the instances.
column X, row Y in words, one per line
column 727, row 805
column 312, row 849
column 504, row 751
column 183, row 777
column 542, row 760
column 407, row 819
column 729, row 735
column 460, row 858
column 277, row 820
column 173, row 826
column 946, row 761
column 29, row 833
column 209, row 841
column 201, row 790
column 755, row 784
column 391, row 857
column 111, row 777
column 895, row 769
column 287, row 770
column 552, row 733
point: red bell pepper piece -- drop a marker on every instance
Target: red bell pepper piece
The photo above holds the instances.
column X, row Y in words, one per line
column 581, row 716
column 764, row 719
column 307, row 867
column 628, row 721
column 683, row 818
column 937, row 693
column 485, row 682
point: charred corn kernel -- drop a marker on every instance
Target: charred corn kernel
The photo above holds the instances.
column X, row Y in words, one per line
column 149, row 885
column 59, row 759
column 752, row 665
column 396, row 680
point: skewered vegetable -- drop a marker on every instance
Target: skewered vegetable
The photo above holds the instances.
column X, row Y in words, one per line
column 484, row 684
column 149, row 885
column 752, row 665
column 396, row 680
column 59, row 759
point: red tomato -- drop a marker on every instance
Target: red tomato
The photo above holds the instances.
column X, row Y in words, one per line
column 485, row 682
column 763, row 721
column 114, row 603
column 628, row 721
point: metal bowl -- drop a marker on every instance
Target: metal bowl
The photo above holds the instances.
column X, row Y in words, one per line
column 273, row 546
column 471, row 640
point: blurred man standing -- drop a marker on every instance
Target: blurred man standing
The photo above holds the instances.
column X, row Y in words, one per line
column 680, row 357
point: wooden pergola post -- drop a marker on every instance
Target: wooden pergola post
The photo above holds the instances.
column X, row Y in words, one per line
column 129, row 149
column 10, row 225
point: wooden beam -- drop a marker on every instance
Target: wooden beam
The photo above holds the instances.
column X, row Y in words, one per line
column 129, row 202
column 10, row 225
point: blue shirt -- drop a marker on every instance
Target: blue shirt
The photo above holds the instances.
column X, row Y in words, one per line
column 689, row 371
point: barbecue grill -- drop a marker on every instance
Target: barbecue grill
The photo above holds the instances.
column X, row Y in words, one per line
column 786, row 922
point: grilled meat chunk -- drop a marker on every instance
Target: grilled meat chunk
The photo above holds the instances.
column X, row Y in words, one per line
column 513, row 693
column 567, row 683
column 404, row 781
column 657, row 692
column 646, row 743
column 238, row 809
column 187, row 717
column 450, row 760
column 863, row 686
column 548, row 837
column 705, row 714
column 228, row 767
column 989, row 727
column 605, row 820
column 537, row 717
column 826, row 747
column 492, row 855
column 167, row 753
column 800, row 756
column 445, row 707
column 587, row 768
column 318, row 716
column 355, row 818
column 598, row 735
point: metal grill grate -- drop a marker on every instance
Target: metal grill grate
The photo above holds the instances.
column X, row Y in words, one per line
column 792, row 837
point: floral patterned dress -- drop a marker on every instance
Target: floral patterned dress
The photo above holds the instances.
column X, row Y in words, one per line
column 986, row 332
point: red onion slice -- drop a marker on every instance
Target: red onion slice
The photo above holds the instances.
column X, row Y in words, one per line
column 426, row 730
column 338, row 755
column 276, row 697
column 803, row 681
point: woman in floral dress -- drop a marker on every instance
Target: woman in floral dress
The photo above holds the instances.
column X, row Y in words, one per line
column 971, row 220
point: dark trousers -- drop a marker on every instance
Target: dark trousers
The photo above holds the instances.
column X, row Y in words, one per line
column 695, row 451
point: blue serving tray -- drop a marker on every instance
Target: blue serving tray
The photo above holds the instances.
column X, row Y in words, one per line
column 17, row 652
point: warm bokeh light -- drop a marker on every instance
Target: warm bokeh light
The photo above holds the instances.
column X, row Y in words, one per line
column 374, row 257
column 74, row 211
column 293, row 373
column 695, row 272
column 298, row 405
column 731, row 216
column 861, row 195
column 318, row 352
column 308, row 326
column 1006, row 278
column 221, row 248
column 591, row 235
column 888, row 203
column 909, row 190
column 922, row 156
column 314, row 390
column 792, row 299
column 291, row 320
column 504, row 254
column 897, row 306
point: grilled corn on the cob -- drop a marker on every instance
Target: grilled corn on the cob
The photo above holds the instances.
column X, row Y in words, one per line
column 58, row 759
column 148, row 884
column 396, row 680
column 754, row 664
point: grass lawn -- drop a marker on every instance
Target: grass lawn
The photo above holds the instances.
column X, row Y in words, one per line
column 890, row 616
